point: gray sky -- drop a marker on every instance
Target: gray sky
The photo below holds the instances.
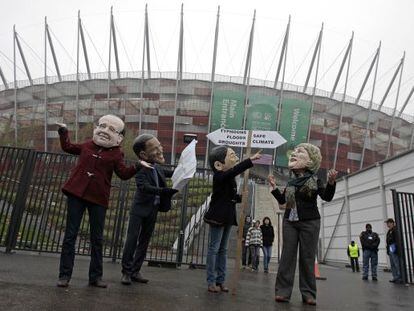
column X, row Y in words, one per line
column 371, row 20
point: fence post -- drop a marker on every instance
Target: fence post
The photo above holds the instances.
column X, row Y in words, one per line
column 180, row 249
column 398, row 221
column 120, row 215
column 19, row 205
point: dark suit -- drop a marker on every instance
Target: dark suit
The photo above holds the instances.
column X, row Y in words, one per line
column 143, row 216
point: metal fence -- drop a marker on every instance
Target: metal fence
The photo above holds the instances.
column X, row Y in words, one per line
column 404, row 217
column 33, row 211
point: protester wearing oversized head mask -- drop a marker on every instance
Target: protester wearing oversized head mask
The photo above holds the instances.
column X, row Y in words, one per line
column 301, row 222
column 88, row 187
column 109, row 132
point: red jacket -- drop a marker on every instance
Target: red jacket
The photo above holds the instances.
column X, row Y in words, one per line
column 90, row 179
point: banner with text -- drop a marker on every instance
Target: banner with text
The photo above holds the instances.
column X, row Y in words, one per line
column 228, row 109
column 262, row 112
column 294, row 126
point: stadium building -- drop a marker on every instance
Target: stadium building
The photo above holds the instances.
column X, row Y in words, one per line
column 352, row 133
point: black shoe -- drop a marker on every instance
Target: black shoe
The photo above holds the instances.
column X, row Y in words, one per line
column 392, row 281
column 98, row 283
column 365, row 278
column 126, row 279
column 62, row 283
column 137, row 277
column 374, row 278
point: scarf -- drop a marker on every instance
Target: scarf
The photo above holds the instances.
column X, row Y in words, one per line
column 307, row 184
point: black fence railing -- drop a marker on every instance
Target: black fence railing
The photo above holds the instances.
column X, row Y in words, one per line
column 404, row 217
column 33, row 211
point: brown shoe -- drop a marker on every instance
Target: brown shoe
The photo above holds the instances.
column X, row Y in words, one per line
column 212, row 289
column 98, row 283
column 137, row 277
column 309, row 301
column 222, row 288
column 62, row 283
column 281, row 299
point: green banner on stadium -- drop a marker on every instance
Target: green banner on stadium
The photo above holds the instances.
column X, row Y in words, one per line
column 294, row 125
column 228, row 110
column 262, row 112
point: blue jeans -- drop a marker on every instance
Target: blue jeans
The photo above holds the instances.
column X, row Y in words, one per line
column 267, row 254
column 217, row 254
column 367, row 256
column 395, row 267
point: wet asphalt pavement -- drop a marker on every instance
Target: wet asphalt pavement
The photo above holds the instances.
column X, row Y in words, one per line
column 27, row 282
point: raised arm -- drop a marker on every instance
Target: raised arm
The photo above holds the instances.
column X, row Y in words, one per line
column 122, row 171
column 327, row 193
column 65, row 143
column 236, row 170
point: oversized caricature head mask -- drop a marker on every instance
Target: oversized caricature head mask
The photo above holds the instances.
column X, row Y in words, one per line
column 109, row 132
column 222, row 158
column 305, row 157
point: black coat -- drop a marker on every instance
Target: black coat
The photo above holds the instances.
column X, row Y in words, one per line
column 222, row 210
column 369, row 240
column 268, row 235
column 392, row 238
column 307, row 205
column 147, row 189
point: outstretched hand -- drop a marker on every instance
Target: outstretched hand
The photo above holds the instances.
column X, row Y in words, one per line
column 332, row 176
column 145, row 164
column 60, row 125
column 256, row 156
column 272, row 181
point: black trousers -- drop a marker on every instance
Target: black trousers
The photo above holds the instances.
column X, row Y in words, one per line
column 140, row 230
column 305, row 234
column 354, row 264
column 76, row 209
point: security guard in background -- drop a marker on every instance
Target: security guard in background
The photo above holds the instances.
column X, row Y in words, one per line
column 353, row 254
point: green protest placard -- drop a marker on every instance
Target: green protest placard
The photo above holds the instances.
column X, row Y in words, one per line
column 262, row 112
column 294, row 125
column 228, row 109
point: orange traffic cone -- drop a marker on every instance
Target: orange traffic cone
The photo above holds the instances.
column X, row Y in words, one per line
column 317, row 273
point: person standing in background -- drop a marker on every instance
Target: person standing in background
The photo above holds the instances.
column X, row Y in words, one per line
column 268, row 238
column 393, row 251
column 369, row 242
column 254, row 240
column 353, row 254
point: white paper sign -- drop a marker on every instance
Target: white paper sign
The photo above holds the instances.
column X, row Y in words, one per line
column 266, row 139
column 232, row 138
column 238, row 138
column 186, row 167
